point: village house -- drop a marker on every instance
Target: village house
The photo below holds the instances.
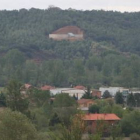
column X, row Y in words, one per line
column 47, row 87
column 80, row 87
column 71, row 33
column 93, row 120
column 25, row 88
column 96, row 93
column 78, row 93
column 84, row 104
column 112, row 90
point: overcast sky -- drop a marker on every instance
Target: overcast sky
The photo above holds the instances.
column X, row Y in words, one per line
column 118, row 5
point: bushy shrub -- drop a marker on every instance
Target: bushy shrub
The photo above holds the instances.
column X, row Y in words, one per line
column 134, row 136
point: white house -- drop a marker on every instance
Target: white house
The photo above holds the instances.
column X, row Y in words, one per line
column 112, row 90
column 71, row 91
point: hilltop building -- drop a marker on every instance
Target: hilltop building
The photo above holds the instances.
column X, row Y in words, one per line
column 71, row 33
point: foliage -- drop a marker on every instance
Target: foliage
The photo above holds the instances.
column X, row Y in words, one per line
column 118, row 110
column 119, row 98
column 108, row 55
column 116, row 132
column 93, row 109
column 137, row 99
column 131, row 100
column 106, row 94
column 16, row 126
column 134, row 136
column 2, row 100
column 95, row 137
column 54, row 120
column 14, row 98
column 65, row 106
column 64, row 100
column 73, row 132
column 87, row 94
column 131, row 123
column 39, row 118
column 39, row 97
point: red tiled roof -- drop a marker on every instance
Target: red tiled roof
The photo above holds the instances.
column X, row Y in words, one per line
column 106, row 117
column 27, row 86
column 80, row 87
column 68, row 29
column 84, row 101
column 47, row 87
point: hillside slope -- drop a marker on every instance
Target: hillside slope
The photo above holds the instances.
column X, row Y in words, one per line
column 109, row 54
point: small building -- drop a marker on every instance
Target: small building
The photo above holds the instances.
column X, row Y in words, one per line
column 78, row 93
column 80, row 87
column 112, row 90
column 47, row 87
column 96, row 93
column 84, row 104
column 134, row 90
column 71, row 33
column 92, row 120
column 24, row 88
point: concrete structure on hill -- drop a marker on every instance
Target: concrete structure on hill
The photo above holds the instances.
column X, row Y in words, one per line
column 71, row 33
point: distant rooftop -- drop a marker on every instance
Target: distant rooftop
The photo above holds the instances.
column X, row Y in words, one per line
column 106, row 117
column 71, row 30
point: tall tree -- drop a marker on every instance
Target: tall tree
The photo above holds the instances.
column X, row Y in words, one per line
column 16, row 126
column 131, row 100
column 14, row 98
column 106, row 94
column 119, row 98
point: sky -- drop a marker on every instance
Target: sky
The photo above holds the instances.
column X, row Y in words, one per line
column 115, row 5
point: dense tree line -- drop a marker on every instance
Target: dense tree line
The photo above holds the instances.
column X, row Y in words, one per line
column 105, row 69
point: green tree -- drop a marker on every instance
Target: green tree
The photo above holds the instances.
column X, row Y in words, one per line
column 118, row 110
column 135, row 136
column 16, row 126
column 131, row 123
column 87, row 94
column 131, row 100
column 93, row 109
column 64, row 100
column 2, row 100
column 39, row 97
column 74, row 131
column 54, row 120
column 106, row 94
column 65, row 106
column 14, row 98
column 119, row 98
column 137, row 99
column 116, row 132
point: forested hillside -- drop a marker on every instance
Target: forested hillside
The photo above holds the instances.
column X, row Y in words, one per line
column 109, row 54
